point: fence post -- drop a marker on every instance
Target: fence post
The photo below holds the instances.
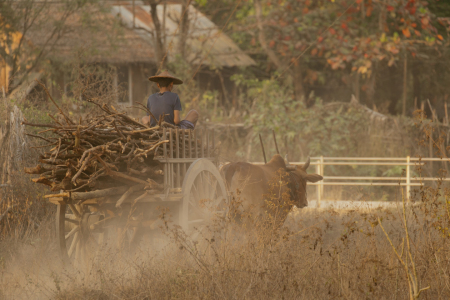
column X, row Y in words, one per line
column 322, row 172
column 408, row 178
column 319, row 196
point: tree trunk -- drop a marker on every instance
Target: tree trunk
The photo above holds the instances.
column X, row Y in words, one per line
column 160, row 47
column 382, row 17
column 4, row 152
column 416, row 71
column 184, row 29
column 262, row 38
column 371, row 86
column 298, row 82
column 355, row 85
column 405, row 85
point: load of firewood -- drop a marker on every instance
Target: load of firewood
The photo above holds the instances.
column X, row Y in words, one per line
column 111, row 151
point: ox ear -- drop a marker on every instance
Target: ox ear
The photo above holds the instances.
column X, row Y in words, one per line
column 306, row 165
column 313, row 177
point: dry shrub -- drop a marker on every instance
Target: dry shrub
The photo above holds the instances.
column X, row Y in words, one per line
column 323, row 254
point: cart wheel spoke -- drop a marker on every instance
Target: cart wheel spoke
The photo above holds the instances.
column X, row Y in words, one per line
column 78, row 250
column 75, row 211
column 72, row 221
column 195, row 191
column 72, row 232
column 197, row 209
column 73, row 244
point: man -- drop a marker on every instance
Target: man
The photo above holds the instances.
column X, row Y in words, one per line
column 168, row 104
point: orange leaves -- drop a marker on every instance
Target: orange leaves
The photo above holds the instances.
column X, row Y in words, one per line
column 406, row 32
column 389, row 8
column 320, row 39
column 369, row 11
column 440, row 37
column 271, row 43
column 334, row 64
column 305, row 10
column 417, row 33
column 311, row 76
column 344, row 26
column 391, row 48
column 314, row 51
column 332, row 31
column 425, row 21
column 391, row 62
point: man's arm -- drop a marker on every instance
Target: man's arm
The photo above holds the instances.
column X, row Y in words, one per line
column 176, row 117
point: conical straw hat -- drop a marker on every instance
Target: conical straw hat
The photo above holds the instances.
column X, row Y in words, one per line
column 165, row 74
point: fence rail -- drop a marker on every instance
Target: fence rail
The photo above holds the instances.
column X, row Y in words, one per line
column 321, row 162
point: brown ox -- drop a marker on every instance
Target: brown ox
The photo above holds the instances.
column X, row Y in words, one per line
column 251, row 183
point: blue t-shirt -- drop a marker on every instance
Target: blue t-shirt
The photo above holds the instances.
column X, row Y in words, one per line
column 165, row 103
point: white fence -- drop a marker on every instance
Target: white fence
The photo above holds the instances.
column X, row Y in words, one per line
column 408, row 181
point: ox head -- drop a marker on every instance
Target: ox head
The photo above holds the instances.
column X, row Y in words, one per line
column 300, row 177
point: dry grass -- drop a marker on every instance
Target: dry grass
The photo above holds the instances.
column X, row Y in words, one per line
column 317, row 255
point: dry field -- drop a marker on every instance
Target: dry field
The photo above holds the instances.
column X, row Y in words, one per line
column 318, row 254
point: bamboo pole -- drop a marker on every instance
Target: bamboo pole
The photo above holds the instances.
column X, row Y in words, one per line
column 262, row 147
column 275, row 141
column 405, row 77
column 446, row 113
column 177, row 136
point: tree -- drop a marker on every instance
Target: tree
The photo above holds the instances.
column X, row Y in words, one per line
column 344, row 34
column 317, row 41
column 25, row 21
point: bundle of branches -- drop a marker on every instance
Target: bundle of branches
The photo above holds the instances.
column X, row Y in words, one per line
column 111, row 152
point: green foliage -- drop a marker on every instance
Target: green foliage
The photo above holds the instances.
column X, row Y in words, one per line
column 398, row 171
column 320, row 129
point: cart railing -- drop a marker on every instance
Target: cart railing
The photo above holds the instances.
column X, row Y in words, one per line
column 183, row 148
column 407, row 181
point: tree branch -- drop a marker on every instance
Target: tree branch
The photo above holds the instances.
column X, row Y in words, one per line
column 261, row 37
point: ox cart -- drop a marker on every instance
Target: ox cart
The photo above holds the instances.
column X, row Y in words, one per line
column 193, row 192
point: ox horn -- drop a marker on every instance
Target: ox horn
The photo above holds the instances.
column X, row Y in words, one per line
column 306, row 165
column 288, row 165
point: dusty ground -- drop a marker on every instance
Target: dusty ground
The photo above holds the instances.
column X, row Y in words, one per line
column 320, row 254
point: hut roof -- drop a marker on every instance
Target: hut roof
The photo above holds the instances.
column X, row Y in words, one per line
column 205, row 43
column 109, row 43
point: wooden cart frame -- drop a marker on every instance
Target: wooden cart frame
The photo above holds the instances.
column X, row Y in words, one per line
column 194, row 192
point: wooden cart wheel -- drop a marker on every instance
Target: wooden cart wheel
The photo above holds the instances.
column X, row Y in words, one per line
column 204, row 196
column 79, row 233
